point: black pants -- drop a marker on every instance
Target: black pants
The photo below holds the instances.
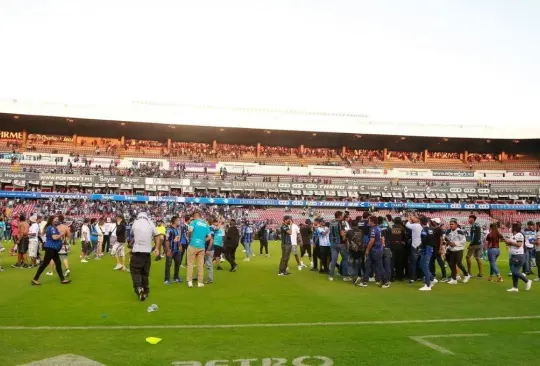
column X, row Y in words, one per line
column 325, row 258
column 285, row 256
column 140, row 270
column 177, row 258
column 183, row 254
column 538, row 262
column 456, row 259
column 50, row 255
column 106, row 243
column 437, row 257
column 316, row 256
column 305, row 248
column 264, row 245
column 230, row 255
column 398, row 261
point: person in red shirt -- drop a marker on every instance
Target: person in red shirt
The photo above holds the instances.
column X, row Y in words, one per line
column 492, row 244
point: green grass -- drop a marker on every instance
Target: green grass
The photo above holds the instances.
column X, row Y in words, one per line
column 255, row 294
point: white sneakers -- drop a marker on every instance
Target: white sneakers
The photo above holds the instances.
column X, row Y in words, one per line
column 528, row 286
column 190, row 284
column 49, row 273
column 247, row 260
column 513, row 289
column 452, row 282
column 425, row 288
column 200, row 284
column 466, row 278
column 84, row 261
column 118, row 266
column 299, row 268
column 434, row 282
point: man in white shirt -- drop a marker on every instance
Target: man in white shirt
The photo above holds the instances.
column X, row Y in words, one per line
column 33, row 241
column 416, row 231
column 85, row 240
column 143, row 231
column 295, row 234
column 455, row 239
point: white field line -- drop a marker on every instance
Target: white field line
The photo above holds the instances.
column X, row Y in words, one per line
column 270, row 325
column 533, row 332
column 424, row 340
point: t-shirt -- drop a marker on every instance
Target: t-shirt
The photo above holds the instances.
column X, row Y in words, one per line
column 199, row 233
column 33, row 231
column 144, row 231
column 285, row 237
column 476, row 234
column 458, row 238
column 375, row 233
column 172, row 238
column 538, row 241
column 2, row 227
column 493, row 240
column 306, row 232
column 295, row 230
column 518, row 238
column 85, row 233
column 530, row 238
column 429, row 240
column 323, row 234
column 218, row 236
column 416, row 232
column 51, row 243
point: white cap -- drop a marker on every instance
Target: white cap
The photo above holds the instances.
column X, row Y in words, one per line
column 33, row 218
column 436, row 220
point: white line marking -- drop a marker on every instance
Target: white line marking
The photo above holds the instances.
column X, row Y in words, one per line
column 533, row 332
column 423, row 340
column 267, row 325
column 432, row 345
column 66, row 360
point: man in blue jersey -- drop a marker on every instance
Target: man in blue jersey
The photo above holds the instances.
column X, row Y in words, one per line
column 197, row 249
column 429, row 242
column 184, row 238
column 247, row 239
column 173, row 248
column 363, row 225
column 374, row 253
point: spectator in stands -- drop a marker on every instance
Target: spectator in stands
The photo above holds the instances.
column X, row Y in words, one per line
column 516, row 248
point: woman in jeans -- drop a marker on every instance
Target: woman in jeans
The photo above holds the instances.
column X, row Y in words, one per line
column 52, row 246
column 492, row 242
column 517, row 256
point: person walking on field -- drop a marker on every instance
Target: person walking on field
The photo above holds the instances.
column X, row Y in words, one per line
column 516, row 246
column 53, row 244
column 232, row 237
column 200, row 235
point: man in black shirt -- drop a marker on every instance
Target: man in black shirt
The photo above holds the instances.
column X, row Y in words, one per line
column 398, row 239
column 306, row 232
column 438, row 250
column 232, row 237
column 286, row 245
column 429, row 241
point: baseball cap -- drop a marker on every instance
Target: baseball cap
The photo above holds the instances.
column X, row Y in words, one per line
column 436, row 220
column 33, row 218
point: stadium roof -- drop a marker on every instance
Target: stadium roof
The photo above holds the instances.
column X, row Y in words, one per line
column 260, row 119
column 251, row 136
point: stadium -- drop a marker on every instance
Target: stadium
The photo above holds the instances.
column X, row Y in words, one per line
column 295, row 236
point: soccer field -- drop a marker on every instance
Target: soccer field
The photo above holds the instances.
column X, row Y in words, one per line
column 254, row 317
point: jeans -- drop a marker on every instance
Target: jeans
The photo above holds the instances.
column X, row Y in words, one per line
column 209, row 264
column 415, row 255
column 526, row 261
column 493, row 254
column 247, row 246
column 516, row 262
column 176, row 257
column 438, row 258
column 354, row 265
column 425, row 258
column 335, row 250
column 285, row 256
column 387, row 262
column 375, row 260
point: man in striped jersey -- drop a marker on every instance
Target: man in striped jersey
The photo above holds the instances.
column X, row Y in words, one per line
column 173, row 251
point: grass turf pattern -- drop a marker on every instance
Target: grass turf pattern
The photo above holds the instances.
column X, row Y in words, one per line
column 255, row 295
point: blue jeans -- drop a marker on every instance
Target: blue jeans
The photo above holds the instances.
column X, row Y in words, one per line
column 415, row 255
column 387, row 262
column 354, row 265
column 493, row 254
column 425, row 258
column 375, row 260
column 436, row 257
column 247, row 246
column 526, row 261
column 516, row 263
column 208, row 263
column 335, row 250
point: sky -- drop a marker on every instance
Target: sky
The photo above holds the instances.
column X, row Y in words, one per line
column 464, row 62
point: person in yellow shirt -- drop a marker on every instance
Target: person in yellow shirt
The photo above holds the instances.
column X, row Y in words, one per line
column 162, row 230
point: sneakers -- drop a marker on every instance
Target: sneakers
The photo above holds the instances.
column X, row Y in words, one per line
column 411, row 282
column 330, row 279
column 528, row 286
column 358, row 281
column 299, row 268
column 513, row 289
column 303, row 265
column 253, row 254
column 84, row 261
column 425, row 288
column 16, row 265
column 434, row 282
column 480, row 275
column 190, row 284
column 2, row 249
column 386, row 285
column 267, row 256
column 68, row 272
column 281, row 274
column 452, row 282
column 200, row 284
column 167, row 282
column 500, row 279
column 208, row 282
column 347, row 279
column 118, row 266
column 362, row 284
column 177, row 280
column 537, row 280
column 233, row 269
column 372, row 279
column 443, row 280
column 49, row 273
column 141, row 294
column 246, row 260
column 466, row 278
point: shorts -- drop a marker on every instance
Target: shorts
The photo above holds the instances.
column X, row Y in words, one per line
column 294, row 250
column 63, row 256
column 22, row 247
column 118, row 249
column 33, row 247
column 217, row 251
column 474, row 250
